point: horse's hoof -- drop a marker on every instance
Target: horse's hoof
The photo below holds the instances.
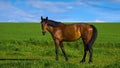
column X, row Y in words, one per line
column 57, row 59
column 82, row 61
column 90, row 62
column 66, row 59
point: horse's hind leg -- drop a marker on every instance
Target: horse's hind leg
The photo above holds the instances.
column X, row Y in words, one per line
column 90, row 57
column 85, row 49
column 84, row 56
column 86, row 38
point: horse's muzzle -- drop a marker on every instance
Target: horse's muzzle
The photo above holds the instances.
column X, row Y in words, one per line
column 43, row 33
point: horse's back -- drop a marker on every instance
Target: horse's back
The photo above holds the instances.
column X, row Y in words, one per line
column 71, row 32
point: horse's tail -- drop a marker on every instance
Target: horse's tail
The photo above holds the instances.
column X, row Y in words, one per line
column 93, row 38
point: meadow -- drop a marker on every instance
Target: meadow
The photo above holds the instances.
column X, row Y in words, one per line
column 23, row 45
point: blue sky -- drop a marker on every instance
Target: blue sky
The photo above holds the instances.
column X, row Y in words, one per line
column 60, row 10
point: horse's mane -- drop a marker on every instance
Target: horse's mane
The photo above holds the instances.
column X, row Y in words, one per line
column 53, row 23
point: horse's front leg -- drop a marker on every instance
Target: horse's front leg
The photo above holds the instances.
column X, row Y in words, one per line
column 57, row 43
column 63, row 50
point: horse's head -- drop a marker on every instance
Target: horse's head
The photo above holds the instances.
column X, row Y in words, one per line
column 44, row 24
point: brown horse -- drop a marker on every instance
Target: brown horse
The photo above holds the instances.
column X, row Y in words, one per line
column 70, row 32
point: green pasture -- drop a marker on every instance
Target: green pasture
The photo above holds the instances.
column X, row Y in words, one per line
column 23, row 45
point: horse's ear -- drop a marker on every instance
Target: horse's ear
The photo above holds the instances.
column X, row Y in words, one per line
column 46, row 18
column 41, row 18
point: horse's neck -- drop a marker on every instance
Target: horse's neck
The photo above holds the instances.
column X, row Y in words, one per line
column 50, row 29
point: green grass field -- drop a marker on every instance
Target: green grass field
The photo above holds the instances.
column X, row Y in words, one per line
column 23, row 45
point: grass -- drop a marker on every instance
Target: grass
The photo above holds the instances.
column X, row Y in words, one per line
column 23, row 45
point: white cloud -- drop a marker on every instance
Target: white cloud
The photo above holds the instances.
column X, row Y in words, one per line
column 58, row 7
column 108, row 15
column 12, row 13
column 115, row 1
column 98, row 20
column 69, row 7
